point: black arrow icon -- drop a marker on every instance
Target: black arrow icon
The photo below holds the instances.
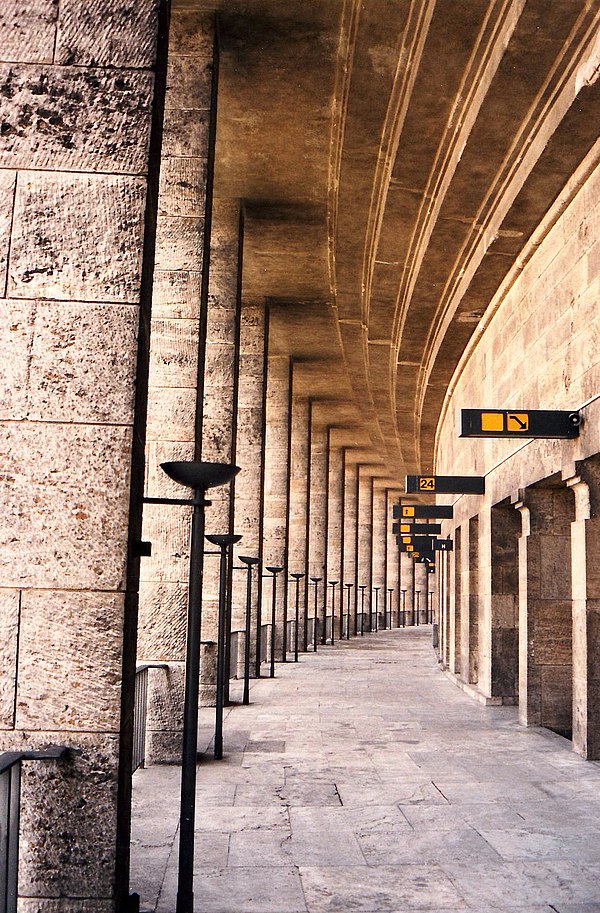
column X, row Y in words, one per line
column 516, row 419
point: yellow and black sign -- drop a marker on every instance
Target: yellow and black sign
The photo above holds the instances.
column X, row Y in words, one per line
column 423, row 511
column 532, row 423
column 446, row 485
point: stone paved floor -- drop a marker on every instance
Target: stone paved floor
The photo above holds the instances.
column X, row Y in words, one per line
column 363, row 780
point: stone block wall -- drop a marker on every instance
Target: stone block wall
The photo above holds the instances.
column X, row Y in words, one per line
column 77, row 83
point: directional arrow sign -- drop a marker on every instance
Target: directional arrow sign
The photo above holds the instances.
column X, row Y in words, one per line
column 423, row 511
column 415, row 529
column 446, row 485
column 523, row 423
column 423, row 543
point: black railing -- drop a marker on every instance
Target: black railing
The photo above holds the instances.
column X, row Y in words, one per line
column 140, row 711
column 10, row 808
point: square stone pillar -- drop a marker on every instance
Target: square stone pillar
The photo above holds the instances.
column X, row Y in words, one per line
column 545, row 609
column 365, row 545
column 504, row 602
column 276, row 490
column 298, row 505
column 350, row 538
column 585, row 572
column 421, row 591
column 176, row 329
column 407, row 587
column 335, row 516
column 454, row 589
column 77, row 216
column 317, row 516
column 378, row 548
column 392, row 560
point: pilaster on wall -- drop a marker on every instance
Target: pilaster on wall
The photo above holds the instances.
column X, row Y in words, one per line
column 335, row 511
column 350, row 538
column 407, row 587
column 392, row 562
column 317, row 515
column 299, row 497
column 365, row 545
column 277, row 475
column 74, row 292
column 176, row 328
column 378, row 550
column 585, row 573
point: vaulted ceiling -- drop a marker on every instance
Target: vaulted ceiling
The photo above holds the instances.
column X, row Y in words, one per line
column 394, row 157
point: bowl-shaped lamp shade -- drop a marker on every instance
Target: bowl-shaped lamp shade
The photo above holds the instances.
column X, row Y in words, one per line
column 296, row 575
column 248, row 560
column 199, row 475
column 223, row 539
column 274, row 569
column 333, row 582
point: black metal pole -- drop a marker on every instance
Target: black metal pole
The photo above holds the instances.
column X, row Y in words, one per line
column 376, row 588
column 297, row 577
column 316, row 581
column 348, row 587
column 333, row 584
column 403, row 608
column 221, row 635
column 362, row 588
column 273, row 571
column 391, row 606
column 249, row 562
column 418, row 605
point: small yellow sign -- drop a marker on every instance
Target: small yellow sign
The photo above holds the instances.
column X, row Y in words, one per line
column 517, row 421
column 492, row 421
column 408, row 511
column 426, row 483
column 405, row 528
column 406, row 540
column 410, row 548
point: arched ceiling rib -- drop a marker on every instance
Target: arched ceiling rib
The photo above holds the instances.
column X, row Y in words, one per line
column 396, row 155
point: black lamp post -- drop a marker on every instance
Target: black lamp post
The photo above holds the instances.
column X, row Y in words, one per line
column 332, row 584
column 403, row 608
column 198, row 476
column 362, row 587
column 418, row 608
column 297, row 576
column 348, row 588
column 391, row 604
column 249, row 562
column 273, row 570
column 223, row 542
column 377, row 588
column 316, row 581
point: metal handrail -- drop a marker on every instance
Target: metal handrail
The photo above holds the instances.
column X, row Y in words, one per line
column 10, row 801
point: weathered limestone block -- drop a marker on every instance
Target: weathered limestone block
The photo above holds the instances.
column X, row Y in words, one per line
column 178, row 243
column 63, row 905
column 191, row 83
column 9, row 622
column 185, row 133
column 74, row 119
column 28, row 30
column 82, row 363
column 91, row 252
column 174, row 360
column 168, row 528
column 165, row 698
column 65, row 523
column 191, row 32
column 158, row 482
column 181, row 191
column 176, row 294
column 69, row 661
column 92, row 34
column 162, row 623
column 16, row 339
column 170, row 411
column 7, row 196
column 68, row 816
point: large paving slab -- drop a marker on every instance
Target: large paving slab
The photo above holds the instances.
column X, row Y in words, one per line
column 361, row 779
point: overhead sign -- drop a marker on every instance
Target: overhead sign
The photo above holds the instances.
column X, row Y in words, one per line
column 414, row 529
column 423, row 544
column 446, row 485
column 423, row 511
column 530, row 423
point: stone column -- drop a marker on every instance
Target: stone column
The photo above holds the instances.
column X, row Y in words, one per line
column 175, row 351
column 407, row 581
column 585, row 577
column 545, row 609
column 421, row 590
column 393, row 560
column 350, row 536
column 378, row 550
column 335, row 515
column 248, row 515
column 455, row 588
column 298, row 511
column 76, row 250
column 504, row 609
column 365, row 543
column 277, row 479
column 317, row 517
